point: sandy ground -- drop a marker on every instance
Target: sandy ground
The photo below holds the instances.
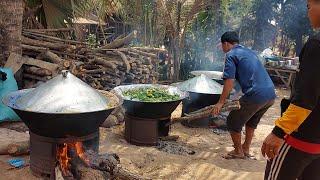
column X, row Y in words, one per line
column 207, row 163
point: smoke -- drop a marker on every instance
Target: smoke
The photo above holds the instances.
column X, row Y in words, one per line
column 202, row 51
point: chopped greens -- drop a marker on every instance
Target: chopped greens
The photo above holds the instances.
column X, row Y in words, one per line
column 151, row 95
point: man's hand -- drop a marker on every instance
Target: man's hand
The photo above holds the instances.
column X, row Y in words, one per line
column 217, row 108
column 228, row 86
column 271, row 146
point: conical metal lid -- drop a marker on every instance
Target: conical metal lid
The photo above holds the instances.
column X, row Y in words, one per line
column 200, row 84
column 63, row 94
column 216, row 75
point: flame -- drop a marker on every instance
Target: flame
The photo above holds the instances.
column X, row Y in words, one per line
column 80, row 152
column 63, row 155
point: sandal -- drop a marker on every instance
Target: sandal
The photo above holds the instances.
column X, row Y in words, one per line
column 232, row 155
column 249, row 156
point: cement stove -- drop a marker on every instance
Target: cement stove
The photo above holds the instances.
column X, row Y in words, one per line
column 43, row 151
column 145, row 131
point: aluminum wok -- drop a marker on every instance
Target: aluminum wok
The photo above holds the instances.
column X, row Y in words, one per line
column 61, row 124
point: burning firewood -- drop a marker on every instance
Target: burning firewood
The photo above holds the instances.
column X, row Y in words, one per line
column 82, row 171
column 77, row 164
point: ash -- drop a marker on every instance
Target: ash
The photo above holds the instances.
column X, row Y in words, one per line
column 173, row 147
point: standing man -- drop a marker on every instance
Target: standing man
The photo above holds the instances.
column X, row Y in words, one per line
column 293, row 147
column 243, row 65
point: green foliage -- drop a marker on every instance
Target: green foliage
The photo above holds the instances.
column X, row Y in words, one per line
column 92, row 40
column 151, row 95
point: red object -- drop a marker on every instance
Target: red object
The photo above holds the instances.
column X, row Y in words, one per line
column 307, row 147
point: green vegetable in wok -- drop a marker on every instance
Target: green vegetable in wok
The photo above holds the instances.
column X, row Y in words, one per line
column 151, row 95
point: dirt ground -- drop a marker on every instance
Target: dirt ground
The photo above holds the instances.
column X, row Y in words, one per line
column 206, row 163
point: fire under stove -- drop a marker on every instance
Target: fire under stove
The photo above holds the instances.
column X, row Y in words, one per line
column 145, row 131
column 45, row 152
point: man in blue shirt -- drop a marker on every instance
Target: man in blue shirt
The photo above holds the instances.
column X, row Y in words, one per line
column 243, row 65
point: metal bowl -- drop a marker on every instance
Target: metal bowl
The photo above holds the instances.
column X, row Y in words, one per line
column 282, row 63
column 152, row 110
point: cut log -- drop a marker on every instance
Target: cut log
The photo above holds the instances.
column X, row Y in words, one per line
column 38, row 43
column 37, row 71
column 154, row 56
column 91, row 66
column 17, row 149
column 52, row 57
column 120, row 117
column 103, row 62
column 81, row 171
column 120, row 42
column 52, row 38
column 74, row 55
column 33, row 48
column 111, row 163
column 42, row 64
column 66, row 64
column 14, row 62
column 8, row 137
column 102, row 71
column 110, row 122
column 31, row 76
column 151, row 50
column 205, row 112
column 49, row 30
column 58, row 173
column 125, row 61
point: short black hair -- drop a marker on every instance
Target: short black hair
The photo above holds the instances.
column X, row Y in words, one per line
column 230, row 37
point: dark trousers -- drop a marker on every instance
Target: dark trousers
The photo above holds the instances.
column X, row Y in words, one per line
column 292, row 164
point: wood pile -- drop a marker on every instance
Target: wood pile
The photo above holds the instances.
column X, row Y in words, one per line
column 103, row 68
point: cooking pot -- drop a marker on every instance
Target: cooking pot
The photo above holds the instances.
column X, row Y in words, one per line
column 152, row 110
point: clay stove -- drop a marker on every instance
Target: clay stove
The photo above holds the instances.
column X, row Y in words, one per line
column 44, row 151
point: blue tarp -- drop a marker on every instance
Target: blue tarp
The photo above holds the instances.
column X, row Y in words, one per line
column 7, row 86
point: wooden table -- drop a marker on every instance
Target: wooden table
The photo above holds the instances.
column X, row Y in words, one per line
column 286, row 75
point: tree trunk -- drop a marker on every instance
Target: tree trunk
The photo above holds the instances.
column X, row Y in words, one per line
column 176, row 44
column 261, row 23
column 10, row 28
column 216, row 6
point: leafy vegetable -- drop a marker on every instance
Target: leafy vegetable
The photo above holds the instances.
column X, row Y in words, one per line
column 151, row 95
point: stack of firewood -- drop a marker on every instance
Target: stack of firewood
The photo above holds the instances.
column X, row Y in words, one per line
column 103, row 67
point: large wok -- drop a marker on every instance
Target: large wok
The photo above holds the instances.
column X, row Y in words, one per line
column 41, row 118
column 152, row 110
column 215, row 75
column 203, row 91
